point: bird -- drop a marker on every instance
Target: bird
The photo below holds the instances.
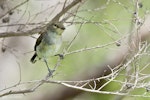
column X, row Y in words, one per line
column 48, row 43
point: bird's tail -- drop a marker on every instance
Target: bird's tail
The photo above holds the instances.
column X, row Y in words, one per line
column 33, row 59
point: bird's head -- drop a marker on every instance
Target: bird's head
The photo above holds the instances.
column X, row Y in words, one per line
column 58, row 27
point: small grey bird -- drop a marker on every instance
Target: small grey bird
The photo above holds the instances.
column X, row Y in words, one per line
column 48, row 43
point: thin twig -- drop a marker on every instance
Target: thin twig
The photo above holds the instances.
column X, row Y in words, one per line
column 14, row 8
column 90, row 48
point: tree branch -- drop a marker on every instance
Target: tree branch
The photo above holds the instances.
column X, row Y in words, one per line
column 38, row 29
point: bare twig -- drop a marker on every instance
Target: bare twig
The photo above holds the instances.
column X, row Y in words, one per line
column 14, row 8
column 38, row 29
column 90, row 48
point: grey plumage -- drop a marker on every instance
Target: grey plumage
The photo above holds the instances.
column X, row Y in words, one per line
column 48, row 42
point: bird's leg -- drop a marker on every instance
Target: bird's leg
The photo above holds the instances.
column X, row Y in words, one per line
column 49, row 70
column 61, row 56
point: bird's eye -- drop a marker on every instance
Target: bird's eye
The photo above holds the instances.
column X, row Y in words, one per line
column 55, row 25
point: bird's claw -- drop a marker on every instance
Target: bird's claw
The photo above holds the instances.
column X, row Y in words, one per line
column 61, row 56
column 50, row 72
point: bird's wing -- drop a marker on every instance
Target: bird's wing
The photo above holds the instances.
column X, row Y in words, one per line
column 38, row 41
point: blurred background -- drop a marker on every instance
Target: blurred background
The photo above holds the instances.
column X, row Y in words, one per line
column 93, row 23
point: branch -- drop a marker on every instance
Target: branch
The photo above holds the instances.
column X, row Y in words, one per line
column 64, row 10
column 38, row 29
column 14, row 8
column 32, row 89
column 26, row 33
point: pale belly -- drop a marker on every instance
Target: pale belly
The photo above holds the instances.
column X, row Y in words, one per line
column 46, row 49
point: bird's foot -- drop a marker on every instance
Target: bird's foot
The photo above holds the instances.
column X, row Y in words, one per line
column 50, row 74
column 61, row 56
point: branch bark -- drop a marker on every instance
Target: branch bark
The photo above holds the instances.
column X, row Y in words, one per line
column 38, row 29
